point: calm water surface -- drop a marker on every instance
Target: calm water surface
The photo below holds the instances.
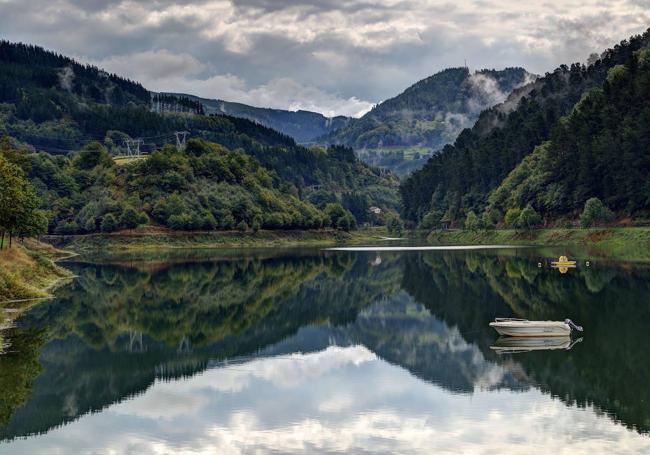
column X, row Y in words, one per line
column 329, row 352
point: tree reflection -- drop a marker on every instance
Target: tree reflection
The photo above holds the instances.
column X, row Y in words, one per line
column 119, row 327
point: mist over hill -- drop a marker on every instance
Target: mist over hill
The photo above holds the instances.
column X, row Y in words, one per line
column 433, row 111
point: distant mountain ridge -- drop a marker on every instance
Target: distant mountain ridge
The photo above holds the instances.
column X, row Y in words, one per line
column 433, row 111
column 303, row 126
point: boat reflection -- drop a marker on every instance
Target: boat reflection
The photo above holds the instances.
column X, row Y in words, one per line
column 516, row 345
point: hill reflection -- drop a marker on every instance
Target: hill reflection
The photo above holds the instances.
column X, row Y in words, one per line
column 118, row 328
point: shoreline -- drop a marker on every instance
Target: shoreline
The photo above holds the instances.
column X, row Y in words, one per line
column 147, row 241
column 628, row 243
column 29, row 273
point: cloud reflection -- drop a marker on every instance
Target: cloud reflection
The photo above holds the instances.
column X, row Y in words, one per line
column 340, row 399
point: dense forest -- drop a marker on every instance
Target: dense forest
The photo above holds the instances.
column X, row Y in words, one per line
column 232, row 173
column 205, row 186
column 602, row 150
column 588, row 127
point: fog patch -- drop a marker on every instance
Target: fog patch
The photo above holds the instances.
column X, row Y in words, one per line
column 66, row 78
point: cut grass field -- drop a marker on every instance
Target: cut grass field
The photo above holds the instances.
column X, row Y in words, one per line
column 122, row 160
column 28, row 271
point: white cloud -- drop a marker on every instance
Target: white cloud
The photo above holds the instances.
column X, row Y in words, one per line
column 343, row 54
column 338, row 400
column 153, row 66
column 165, row 71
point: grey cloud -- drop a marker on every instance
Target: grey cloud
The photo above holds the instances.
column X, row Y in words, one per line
column 358, row 50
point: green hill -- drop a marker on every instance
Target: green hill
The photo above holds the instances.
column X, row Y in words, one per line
column 240, row 172
column 600, row 139
column 601, row 149
column 431, row 112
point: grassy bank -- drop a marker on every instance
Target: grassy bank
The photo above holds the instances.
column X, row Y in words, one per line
column 623, row 243
column 151, row 240
column 28, row 271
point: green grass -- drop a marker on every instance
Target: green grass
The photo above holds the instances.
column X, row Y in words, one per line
column 28, row 272
column 631, row 243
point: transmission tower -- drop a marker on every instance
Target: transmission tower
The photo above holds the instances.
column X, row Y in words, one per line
column 180, row 139
column 133, row 147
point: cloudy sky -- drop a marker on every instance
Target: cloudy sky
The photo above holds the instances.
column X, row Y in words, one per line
column 331, row 56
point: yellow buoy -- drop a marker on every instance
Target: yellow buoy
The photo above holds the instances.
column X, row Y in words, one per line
column 563, row 264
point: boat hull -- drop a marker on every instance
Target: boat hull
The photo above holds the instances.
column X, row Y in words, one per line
column 532, row 328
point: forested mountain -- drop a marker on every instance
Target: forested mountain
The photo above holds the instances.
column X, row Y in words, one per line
column 431, row 112
column 30, row 73
column 601, row 149
column 235, row 173
column 595, row 151
column 303, row 126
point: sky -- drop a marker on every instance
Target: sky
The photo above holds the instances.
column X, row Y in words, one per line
column 338, row 57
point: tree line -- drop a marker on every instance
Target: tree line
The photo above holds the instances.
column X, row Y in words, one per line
column 464, row 176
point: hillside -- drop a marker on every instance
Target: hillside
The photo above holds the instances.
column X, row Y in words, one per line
column 235, row 173
column 460, row 178
column 431, row 112
column 303, row 126
column 204, row 187
column 601, row 149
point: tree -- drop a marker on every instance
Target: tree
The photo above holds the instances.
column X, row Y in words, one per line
column 595, row 212
column 346, row 223
column 109, row 223
column 512, row 215
column 471, row 221
column 130, row 218
column 395, row 225
column 19, row 213
column 528, row 218
column 336, row 213
column 431, row 220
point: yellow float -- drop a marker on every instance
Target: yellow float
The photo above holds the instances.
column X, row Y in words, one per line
column 563, row 264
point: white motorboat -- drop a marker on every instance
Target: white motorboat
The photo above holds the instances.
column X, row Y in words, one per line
column 514, row 345
column 524, row 328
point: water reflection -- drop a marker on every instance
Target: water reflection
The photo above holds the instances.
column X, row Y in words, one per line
column 327, row 351
column 516, row 345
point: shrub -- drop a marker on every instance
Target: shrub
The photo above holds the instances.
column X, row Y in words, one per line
column 130, row 218
column 340, row 218
column 109, row 223
column 595, row 212
column 471, row 222
column 512, row 215
column 395, row 225
column 431, row 220
column 346, row 223
column 180, row 222
column 528, row 218
column 90, row 225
